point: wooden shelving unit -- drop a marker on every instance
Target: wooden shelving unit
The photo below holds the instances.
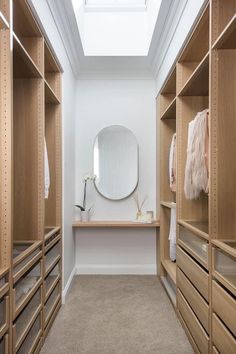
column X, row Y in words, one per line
column 205, row 76
column 30, row 226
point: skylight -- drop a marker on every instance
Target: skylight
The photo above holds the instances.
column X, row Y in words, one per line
column 116, row 27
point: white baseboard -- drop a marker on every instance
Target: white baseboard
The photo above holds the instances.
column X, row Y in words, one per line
column 68, row 285
column 117, row 269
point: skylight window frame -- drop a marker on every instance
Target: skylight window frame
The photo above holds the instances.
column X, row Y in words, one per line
column 115, row 5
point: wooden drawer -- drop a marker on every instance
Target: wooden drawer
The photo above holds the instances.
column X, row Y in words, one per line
column 224, row 305
column 4, row 345
column 52, row 257
column 222, row 338
column 52, row 302
column 32, row 339
column 52, row 279
column 4, row 314
column 4, row 283
column 25, row 288
column 194, row 272
column 195, row 300
column 194, row 244
column 26, row 254
column 197, row 332
column 224, row 269
column 52, row 236
column 26, row 319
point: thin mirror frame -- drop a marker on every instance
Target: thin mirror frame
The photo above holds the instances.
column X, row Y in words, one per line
column 137, row 182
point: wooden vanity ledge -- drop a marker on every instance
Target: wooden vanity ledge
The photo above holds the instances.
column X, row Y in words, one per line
column 115, row 224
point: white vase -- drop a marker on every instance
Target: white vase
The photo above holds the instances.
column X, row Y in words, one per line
column 85, row 215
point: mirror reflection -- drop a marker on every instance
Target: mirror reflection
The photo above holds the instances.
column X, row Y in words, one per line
column 115, row 162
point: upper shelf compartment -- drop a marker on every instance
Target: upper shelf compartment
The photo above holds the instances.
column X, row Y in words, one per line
column 193, row 65
column 52, row 77
column 4, row 13
column 27, row 31
column 223, row 25
column 168, row 98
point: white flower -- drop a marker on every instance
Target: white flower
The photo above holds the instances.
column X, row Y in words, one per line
column 89, row 177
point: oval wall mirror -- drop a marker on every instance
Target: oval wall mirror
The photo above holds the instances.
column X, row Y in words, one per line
column 115, row 162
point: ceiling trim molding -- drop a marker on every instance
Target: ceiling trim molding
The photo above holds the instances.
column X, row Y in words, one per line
column 64, row 18
column 175, row 13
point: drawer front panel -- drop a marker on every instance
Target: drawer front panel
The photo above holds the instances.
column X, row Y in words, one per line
column 222, row 338
column 193, row 324
column 194, row 272
column 4, row 344
column 195, row 300
column 225, row 306
column 195, row 245
column 4, row 314
column 224, row 268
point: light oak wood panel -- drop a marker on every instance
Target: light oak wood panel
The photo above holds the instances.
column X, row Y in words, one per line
column 5, row 150
column 187, row 108
column 28, row 159
column 198, row 277
column 169, row 86
column 24, row 23
column 195, row 300
column 222, row 338
column 222, row 13
column 225, row 306
column 170, row 268
column 224, row 207
column 194, row 326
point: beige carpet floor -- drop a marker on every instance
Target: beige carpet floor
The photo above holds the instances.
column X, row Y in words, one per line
column 117, row 315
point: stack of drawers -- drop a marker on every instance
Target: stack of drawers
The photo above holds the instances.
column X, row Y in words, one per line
column 224, row 302
column 193, row 287
column 4, row 312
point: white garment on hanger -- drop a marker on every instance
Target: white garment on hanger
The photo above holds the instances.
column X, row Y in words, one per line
column 46, row 172
column 172, row 161
column 172, row 234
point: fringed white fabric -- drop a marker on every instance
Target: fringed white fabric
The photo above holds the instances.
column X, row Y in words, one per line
column 46, row 172
column 196, row 174
column 172, row 164
column 172, row 234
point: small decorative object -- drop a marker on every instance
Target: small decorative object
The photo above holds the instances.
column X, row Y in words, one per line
column 149, row 216
column 140, row 217
column 85, row 213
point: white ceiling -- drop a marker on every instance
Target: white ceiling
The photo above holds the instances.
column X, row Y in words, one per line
column 116, row 66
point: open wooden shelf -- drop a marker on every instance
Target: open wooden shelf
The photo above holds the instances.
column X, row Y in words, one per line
column 227, row 39
column 169, row 205
column 198, row 82
column 50, row 96
column 24, row 66
column 3, row 22
column 115, row 224
column 170, row 112
column 170, row 268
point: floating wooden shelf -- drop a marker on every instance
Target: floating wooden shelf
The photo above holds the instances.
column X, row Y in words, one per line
column 50, row 96
column 170, row 268
column 114, row 224
column 3, row 22
column 23, row 64
column 226, row 40
column 199, row 228
column 170, row 205
column 170, row 112
column 198, row 83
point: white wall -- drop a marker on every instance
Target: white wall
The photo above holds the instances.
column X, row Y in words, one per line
column 101, row 103
column 68, row 136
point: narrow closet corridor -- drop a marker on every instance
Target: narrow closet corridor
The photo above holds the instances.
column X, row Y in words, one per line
column 117, row 176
